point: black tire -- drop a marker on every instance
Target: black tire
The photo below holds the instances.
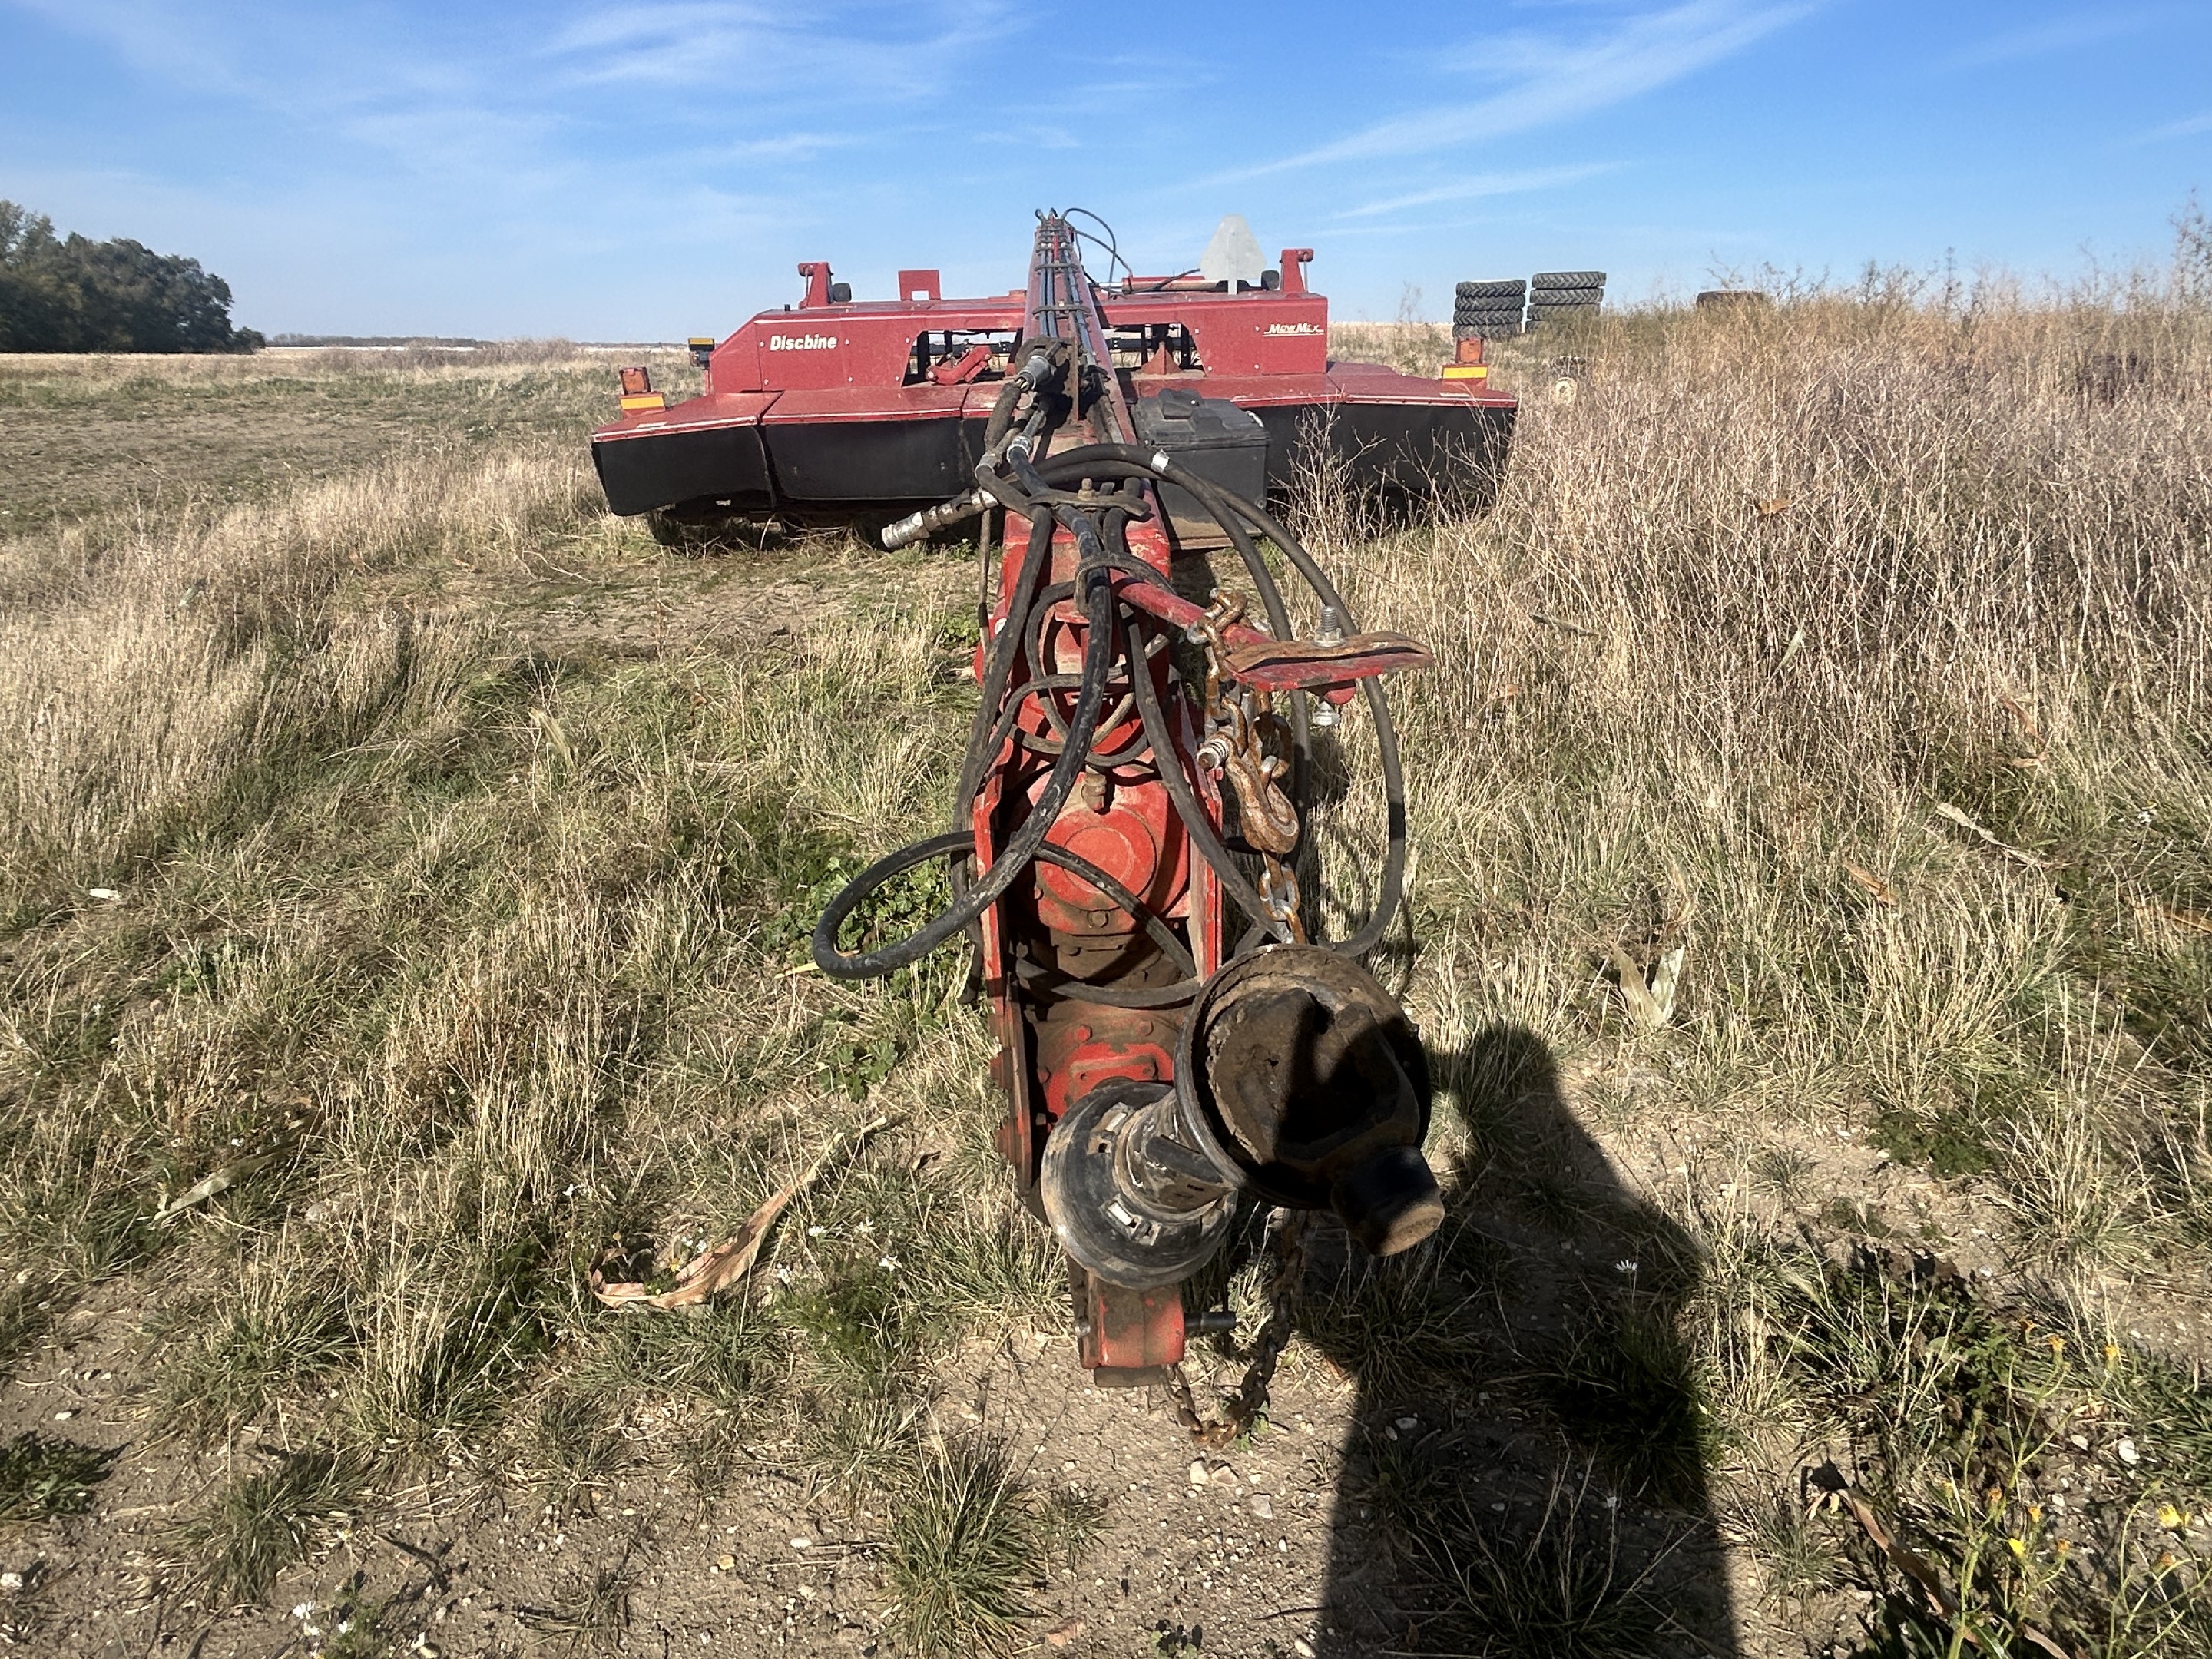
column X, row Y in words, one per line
column 1470, row 314
column 1567, row 297
column 1512, row 290
column 1552, row 279
column 1486, row 330
column 699, row 528
column 1560, row 313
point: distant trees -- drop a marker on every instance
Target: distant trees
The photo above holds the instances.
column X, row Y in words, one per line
column 76, row 295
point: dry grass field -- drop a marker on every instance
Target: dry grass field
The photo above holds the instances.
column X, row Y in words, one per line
column 404, row 875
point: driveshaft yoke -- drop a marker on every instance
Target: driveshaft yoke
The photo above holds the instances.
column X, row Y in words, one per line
column 1298, row 1077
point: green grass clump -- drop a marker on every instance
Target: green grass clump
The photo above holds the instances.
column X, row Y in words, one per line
column 1560, row 1588
column 258, row 1525
column 966, row 1544
column 43, row 1475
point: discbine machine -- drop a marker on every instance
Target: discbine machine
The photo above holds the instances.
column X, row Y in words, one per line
column 1129, row 849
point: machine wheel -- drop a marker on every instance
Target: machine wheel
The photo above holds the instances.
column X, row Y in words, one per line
column 1559, row 313
column 698, row 533
column 1512, row 290
column 1558, row 279
column 1568, row 296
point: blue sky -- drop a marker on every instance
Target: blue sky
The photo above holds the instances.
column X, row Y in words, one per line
column 651, row 168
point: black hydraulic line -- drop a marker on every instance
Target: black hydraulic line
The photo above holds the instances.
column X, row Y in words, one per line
column 1221, row 508
column 1391, row 888
column 1044, row 981
column 998, row 670
column 956, row 843
column 1033, row 650
column 1011, row 859
column 1195, row 822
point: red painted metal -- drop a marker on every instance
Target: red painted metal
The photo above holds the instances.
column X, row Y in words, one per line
column 1260, row 348
column 876, row 365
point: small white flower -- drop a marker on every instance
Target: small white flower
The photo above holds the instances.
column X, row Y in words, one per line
column 303, row 1609
column 1627, row 1267
column 816, row 1232
column 887, row 1261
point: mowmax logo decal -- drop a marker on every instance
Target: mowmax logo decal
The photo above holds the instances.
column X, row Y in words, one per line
column 1274, row 329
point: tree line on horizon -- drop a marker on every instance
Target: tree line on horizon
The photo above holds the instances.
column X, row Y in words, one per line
column 72, row 293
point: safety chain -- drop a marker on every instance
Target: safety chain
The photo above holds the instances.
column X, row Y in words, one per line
column 1286, row 1231
column 1235, row 746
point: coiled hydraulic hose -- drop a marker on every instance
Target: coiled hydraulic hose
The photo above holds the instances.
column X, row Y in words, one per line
column 1227, row 508
column 1092, row 580
column 1239, row 518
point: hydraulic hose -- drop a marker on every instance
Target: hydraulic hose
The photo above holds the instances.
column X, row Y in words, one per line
column 1238, row 518
column 1227, row 508
column 959, row 844
column 1195, row 822
column 1016, row 855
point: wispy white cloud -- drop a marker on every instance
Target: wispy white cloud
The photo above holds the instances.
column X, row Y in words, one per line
column 2183, row 129
column 1481, row 184
column 1541, row 83
column 2067, row 31
column 855, row 48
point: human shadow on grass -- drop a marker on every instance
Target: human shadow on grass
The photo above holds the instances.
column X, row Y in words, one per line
column 1526, row 1473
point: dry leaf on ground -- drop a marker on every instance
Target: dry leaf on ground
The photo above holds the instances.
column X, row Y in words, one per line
column 1650, row 1002
column 219, row 1180
column 717, row 1268
column 2025, row 720
column 1945, row 810
column 1882, row 891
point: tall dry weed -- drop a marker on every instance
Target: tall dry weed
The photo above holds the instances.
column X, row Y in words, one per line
column 145, row 659
column 1840, row 585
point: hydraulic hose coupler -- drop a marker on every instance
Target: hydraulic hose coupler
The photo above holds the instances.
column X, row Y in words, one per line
column 912, row 528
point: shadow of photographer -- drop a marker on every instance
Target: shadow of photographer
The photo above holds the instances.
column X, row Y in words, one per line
column 1526, row 1471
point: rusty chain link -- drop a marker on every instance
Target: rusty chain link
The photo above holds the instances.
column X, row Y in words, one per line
column 1268, row 821
column 1236, row 747
column 1286, row 1231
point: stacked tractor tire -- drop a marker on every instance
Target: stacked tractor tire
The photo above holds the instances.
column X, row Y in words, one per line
column 1492, row 311
column 1488, row 311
